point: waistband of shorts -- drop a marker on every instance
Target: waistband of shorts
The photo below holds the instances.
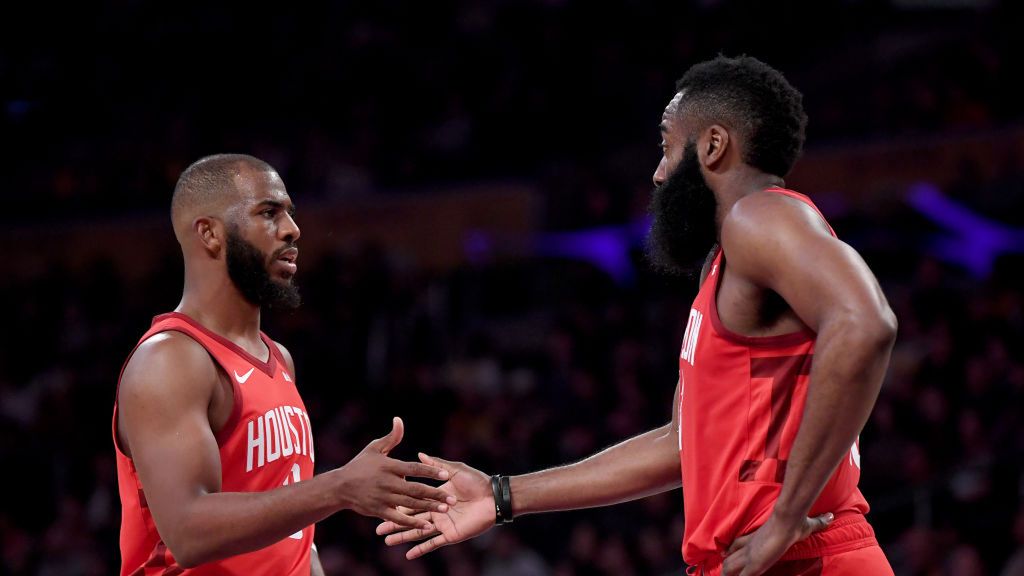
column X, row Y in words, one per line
column 849, row 531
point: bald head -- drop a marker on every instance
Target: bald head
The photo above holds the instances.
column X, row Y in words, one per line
column 210, row 185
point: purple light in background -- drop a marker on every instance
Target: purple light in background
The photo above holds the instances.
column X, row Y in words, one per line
column 976, row 240
column 605, row 248
column 478, row 246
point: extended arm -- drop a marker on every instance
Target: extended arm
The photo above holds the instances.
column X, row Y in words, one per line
column 641, row 466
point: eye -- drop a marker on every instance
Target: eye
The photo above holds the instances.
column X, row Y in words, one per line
column 269, row 212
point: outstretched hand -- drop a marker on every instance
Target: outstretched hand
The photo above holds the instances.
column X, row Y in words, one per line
column 470, row 515
column 754, row 553
column 373, row 484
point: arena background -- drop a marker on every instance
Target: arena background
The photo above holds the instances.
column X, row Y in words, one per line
column 472, row 180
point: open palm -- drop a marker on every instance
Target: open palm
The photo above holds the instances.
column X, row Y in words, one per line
column 472, row 514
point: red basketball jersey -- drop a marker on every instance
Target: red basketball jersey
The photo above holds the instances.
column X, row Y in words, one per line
column 741, row 403
column 266, row 443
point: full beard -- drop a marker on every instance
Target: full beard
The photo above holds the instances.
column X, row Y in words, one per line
column 248, row 270
column 684, row 209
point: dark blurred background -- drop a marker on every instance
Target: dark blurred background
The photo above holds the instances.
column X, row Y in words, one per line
column 472, row 180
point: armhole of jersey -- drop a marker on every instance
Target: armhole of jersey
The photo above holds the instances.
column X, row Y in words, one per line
column 236, row 411
column 787, row 339
column 236, row 396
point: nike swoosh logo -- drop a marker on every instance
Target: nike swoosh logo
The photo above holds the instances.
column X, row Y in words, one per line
column 242, row 379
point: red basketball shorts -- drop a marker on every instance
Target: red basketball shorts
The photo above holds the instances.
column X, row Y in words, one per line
column 847, row 548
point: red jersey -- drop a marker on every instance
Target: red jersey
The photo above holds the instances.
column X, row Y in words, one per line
column 741, row 402
column 265, row 443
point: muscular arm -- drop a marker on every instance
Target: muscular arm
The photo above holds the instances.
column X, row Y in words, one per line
column 641, row 466
column 164, row 424
column 780, row 244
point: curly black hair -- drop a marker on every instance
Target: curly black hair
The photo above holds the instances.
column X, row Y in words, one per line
column 748, row 95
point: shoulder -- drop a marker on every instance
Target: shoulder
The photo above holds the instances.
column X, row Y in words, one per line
column 286, row 355
column 766, row 212
column 764, row 227
column 168, row 366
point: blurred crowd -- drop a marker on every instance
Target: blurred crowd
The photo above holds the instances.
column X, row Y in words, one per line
column 514, row 364
column 109, row 103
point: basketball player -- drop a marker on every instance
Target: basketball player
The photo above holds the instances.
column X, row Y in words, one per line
column 785, row 348
column 214, row 445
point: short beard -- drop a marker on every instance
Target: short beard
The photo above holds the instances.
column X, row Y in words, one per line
column 684, row 209
column 248, row 270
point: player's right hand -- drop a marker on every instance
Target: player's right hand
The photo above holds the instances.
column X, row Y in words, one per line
column 471, row 515
column 373, row 484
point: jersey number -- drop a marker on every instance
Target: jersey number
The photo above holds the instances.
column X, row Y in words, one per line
column 295, row 477
column 773, row 382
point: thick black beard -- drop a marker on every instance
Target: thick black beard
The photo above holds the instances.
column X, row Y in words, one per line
column 684, row 211
column 248, row 269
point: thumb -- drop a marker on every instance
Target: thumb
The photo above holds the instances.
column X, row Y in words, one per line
column 819, row 523
column 387, row 443
column 437, row 462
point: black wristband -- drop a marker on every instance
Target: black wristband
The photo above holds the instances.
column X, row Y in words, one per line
column 502, row 490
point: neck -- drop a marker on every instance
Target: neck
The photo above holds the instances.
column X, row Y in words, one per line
column 739, row 183
column 213, row 300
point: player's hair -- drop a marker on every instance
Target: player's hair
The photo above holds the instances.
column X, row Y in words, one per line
column 750, row 96
column 208, row 178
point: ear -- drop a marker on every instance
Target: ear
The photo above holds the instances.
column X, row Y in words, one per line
column 210, row 232
column 714, row 146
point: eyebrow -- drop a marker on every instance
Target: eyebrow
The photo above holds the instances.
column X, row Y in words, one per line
column 276, row 204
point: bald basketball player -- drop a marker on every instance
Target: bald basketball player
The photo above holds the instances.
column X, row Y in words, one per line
column 785, row 348
column 214, row 444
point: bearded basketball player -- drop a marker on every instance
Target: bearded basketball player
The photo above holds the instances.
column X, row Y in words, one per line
column 214, row 445
column 785, row 348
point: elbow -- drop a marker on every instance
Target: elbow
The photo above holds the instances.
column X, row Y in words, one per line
column 184, row 556
column 188, row 551
column 884, row 328
column 873, row 332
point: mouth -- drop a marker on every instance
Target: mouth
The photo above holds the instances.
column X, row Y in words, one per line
column 287, row 260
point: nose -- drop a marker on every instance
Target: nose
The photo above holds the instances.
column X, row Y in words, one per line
column 659, row 173
column 289, row 230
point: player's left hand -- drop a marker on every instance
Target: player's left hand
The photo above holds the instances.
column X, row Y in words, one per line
column 754, row 553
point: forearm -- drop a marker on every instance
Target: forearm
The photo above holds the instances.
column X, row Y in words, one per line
column 219, row 525
column 849, row 365
column 641, row 466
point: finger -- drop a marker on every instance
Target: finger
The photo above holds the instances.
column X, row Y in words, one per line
column 738, row 543
column 417, row 504
column 436, row 462
column 729, row 566
column 388, row 526
column 405, row 520
column 387, row 443
column 427, row 547
column 819, row 523
column 422, row 470
column 407, row 536
column 418, row 490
